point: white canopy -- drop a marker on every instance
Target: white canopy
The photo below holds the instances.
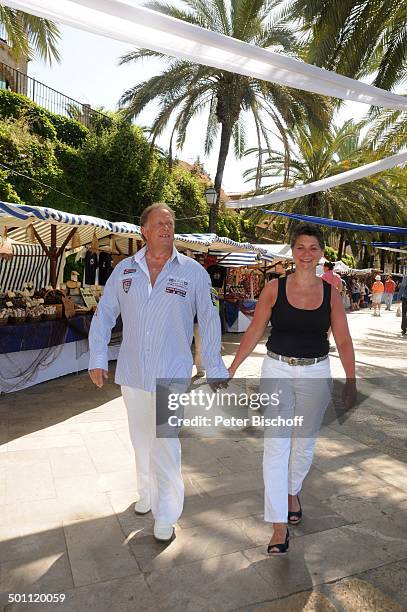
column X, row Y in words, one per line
column 142, row 27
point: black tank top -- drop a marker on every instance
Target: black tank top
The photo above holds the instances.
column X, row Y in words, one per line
column 296, row 332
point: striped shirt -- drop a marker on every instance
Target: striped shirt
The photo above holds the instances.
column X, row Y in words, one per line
column 158, row 322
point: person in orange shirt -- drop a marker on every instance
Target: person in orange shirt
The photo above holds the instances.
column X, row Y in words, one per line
column 389, row 289
column 377, row 293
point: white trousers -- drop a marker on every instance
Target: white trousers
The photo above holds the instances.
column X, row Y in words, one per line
column 287, row 458
column 158, row 460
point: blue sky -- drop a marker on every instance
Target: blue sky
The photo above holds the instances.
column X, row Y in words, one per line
column 89, row 72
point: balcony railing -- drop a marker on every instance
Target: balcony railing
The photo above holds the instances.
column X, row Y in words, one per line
column 47, row 97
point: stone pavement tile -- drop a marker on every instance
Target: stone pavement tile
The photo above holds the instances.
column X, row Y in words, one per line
column 386, row 468
column 26, row 518
column 112, row 461
column 331, row 455
column 315, row 559
column 232, row 483
column 191, row 545
column 101, row 440
column 31, row 546
column 243, row 463
column 386, row 533
column 28, row 478
column 47, row 439
column 391, row 579
column 356, row 507
column 119, row 595
column 47, row 572
column 220, row 583
column 342, row 480
column 355, row 595
column 252, row 444
column 18, row 427
column 307, row 601
column 195, row 450
column 89, row 484
column 97, row 551
column 204, row 469
column 121, row 479
column 210, row 510
column 71, row 461
column 81, row 507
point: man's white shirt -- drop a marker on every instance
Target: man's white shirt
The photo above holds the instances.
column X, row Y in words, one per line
column 157, row 322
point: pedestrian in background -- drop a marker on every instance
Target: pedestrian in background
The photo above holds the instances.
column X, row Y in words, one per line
column 377, row 294
column 389, row 289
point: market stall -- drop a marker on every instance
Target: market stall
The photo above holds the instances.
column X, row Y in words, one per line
column 44, row 322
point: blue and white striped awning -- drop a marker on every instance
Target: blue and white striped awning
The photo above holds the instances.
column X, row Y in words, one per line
column 28, row 264
column 235, row 260
column 19, row 216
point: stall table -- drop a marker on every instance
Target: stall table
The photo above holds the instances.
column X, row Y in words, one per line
column 31, row 353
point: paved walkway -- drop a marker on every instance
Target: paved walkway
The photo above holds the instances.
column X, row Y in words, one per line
column 67, row 488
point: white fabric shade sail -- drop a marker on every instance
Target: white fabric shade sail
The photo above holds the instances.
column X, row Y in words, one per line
column 282, row 195
column 142, row 27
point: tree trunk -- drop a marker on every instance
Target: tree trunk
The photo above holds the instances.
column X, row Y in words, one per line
column 223, row 153
column 382, row 253
column 341, row 242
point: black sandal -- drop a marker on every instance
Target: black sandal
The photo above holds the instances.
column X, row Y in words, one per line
column 295, row 517
column 282, row 549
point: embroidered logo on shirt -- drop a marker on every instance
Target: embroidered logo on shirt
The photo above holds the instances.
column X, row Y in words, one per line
column 126, row 285
column 129, row 270
column 175, row 291
column 176, row 286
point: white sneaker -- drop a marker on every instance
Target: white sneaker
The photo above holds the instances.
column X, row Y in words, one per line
column 143, row 506
column 163, row 531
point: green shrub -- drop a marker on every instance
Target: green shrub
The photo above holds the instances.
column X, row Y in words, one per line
column 69, row 131
column 16, row 106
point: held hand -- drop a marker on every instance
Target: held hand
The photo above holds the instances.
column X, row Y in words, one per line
column 349, row 393
column 232, row 372
column 97, row 376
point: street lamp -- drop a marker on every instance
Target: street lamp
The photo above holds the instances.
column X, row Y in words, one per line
column 211, row 196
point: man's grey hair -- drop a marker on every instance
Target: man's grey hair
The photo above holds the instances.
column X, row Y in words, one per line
column 156, row 206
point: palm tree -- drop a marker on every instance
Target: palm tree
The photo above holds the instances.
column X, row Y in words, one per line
column 29, row 35
column 316, row 155
column 359, row 38
column 356, row 37
column 185, row 89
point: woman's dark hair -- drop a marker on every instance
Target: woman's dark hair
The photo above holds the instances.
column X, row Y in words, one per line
column 329, row 265
column 307, row 229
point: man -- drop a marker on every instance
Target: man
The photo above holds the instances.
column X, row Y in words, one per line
column 389, row 289
column 331, row 277
column 157, row 291
column 403, row 297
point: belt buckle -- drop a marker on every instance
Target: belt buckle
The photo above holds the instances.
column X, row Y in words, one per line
column 292, row 361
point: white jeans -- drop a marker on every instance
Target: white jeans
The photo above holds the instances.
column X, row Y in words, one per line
column 158, row 460
column 287, row 458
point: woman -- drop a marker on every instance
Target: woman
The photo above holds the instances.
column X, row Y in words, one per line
column 302, row 309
